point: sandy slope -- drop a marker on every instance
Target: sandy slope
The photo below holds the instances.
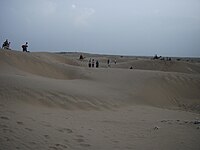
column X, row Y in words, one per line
column 104, row 108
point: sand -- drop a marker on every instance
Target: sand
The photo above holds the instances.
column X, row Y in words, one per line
column 54, row 101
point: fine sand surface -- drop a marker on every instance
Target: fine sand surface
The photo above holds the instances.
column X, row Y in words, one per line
column 53, row 101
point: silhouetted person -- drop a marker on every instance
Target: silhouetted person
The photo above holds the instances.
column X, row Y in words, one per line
column 6, row 44
column 24, row 47
column 92, row 63
column 97, row 64
column 89, row 64
column 81, row 57
column 108, row 62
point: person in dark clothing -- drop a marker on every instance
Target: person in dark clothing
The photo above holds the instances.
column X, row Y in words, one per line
column 89, row 64
column 81, row 57
column 108, row 62
column 92, row 63
column 97, row 64
column 6, row 44
column 24, row 47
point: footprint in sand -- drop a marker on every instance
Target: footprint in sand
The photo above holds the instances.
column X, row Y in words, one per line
column 80, row 136
column 20, row 123
column 85, row 145
column 47, row 125
column 3, row 126
column 58, row 146
column 53, row 147
column 47, row 136
column 4, row 118
column 79, row 140
column 7, row 130
column 115, row 141
column 8, row 139
column 32, row 143
column 65, row 130
column 29, row 129
column 61, row 145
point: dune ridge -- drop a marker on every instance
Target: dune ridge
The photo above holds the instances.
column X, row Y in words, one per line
column 57, row 80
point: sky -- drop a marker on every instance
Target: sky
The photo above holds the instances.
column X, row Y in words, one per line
column 122, row 27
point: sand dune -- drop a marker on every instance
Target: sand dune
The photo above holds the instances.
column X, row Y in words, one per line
column 35, row 84
column 35, row 77
column 160, row 65
column 39, row 64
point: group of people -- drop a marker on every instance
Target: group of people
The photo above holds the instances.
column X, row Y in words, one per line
column 6, row 45
column 92, row 63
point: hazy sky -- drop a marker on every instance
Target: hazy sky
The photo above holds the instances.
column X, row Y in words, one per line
column 124, row 27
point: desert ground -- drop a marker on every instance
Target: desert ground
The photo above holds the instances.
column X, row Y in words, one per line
column 54, row 101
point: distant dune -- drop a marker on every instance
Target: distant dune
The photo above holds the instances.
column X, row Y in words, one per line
column 55, row 101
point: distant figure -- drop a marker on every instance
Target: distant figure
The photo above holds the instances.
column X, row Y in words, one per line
column 115, row 61
column 97, row 64
column 92, row 63
column 108, row 62
column 131, row 67
column 168, row 58
column 81, row 57
column 6, row 44
column 89, row 64
column 24, row 47
column 156, row 57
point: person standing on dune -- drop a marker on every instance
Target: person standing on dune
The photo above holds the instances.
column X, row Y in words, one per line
column 24, row 47
column 6, row 44
column 97, row 64
column 92, row 63
column 108, row 62
column 89, row 64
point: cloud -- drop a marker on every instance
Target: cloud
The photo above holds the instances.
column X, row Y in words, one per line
column 73, row 6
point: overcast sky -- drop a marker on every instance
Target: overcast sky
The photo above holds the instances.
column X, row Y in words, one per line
column 124, row 27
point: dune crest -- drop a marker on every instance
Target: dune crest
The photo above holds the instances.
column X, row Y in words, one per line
column 42, row 64
column 44, row 79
